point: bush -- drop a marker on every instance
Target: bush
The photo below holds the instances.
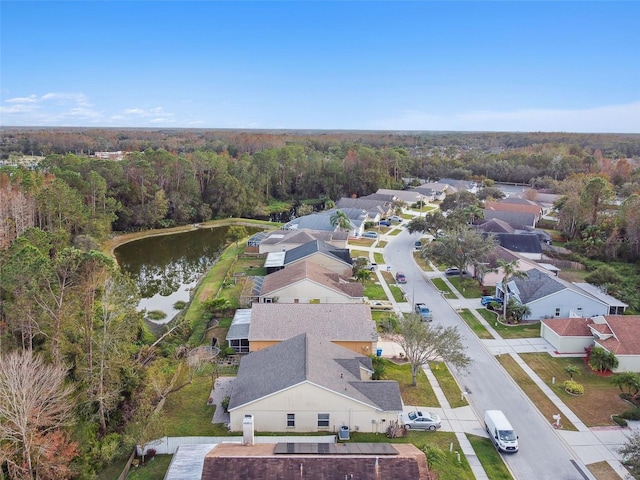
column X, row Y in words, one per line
column 631, row 414
column 225, row 403
column 573, row 387
column 617, row 419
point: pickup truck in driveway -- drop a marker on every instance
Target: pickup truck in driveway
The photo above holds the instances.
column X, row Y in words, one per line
column 422, row 310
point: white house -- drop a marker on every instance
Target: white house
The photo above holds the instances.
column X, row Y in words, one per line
column 550, row 297
column 614, row 333
column 308, row 384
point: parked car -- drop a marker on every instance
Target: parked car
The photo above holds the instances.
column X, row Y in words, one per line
column 401, row 278
column 369, row 235
column 372, row 266
column 489, row 299
column 380, row 304
column 395, row 218
column 421, row 421
column 384, row 223
column 454, row 271
column 417, row 245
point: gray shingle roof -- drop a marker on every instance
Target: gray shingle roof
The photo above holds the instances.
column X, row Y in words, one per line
column 319, row 246
column 515, row 219
column 519, row 242
column 306, row 358
column 536, row 285
column 332, row 321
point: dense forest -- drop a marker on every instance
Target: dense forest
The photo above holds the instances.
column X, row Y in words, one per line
column 71, row 340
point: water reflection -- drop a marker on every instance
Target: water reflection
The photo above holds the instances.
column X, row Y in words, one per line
column 167, row 267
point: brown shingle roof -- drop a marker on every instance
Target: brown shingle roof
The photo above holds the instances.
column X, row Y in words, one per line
column 514, row 207
column 253, row 462
column 299, row 271
column 570, row 327
column 626, row 340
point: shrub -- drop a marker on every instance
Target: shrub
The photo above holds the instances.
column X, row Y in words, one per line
column 225, row 403
column 617, row 419
column 631, row 414
column 573, row 387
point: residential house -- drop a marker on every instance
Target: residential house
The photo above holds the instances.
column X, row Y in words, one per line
column 307, row 282
column 345, row 324
column 294, row 461
column 338, row 260
column 458, row 185
column 434, row 190
column 502, row 206
column 406, row 196
column 309, row 384
column 322, row 221
column 526, row 244
column 518, row 220
column 550, row 297
column 283, row 240
column 617, row 334
column 376, row 209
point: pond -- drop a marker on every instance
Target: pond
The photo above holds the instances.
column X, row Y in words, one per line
column 167, row 267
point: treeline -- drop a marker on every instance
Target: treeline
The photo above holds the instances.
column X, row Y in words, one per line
column 85, row 141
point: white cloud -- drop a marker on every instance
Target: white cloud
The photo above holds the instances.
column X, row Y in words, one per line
column 29, row 99
column 606, row 119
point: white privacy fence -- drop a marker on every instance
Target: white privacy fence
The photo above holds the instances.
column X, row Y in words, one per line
column 169, row 445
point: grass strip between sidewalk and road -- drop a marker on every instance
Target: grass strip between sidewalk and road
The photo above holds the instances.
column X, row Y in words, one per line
column 448, row 384
column 546, row 407
column 475, row 325
column 443, row 287
column 490, row 460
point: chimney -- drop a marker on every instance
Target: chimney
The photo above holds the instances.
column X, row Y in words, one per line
column 247, row 430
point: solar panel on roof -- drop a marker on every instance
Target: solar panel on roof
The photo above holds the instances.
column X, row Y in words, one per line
column 334, row 449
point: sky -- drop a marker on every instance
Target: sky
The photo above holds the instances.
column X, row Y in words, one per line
column 547, row 66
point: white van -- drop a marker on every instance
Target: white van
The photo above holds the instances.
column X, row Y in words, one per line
column 500, row 431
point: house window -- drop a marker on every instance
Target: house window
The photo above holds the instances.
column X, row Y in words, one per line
column 268, row 300
column 579, row 311
column 323, row 420
column 291, row 420
column 557, row 312
column 296, row 300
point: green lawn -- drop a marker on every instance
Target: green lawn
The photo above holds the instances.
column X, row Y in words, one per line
column 468, row 287
column 449, row 386
column 521, row 330
column 475, row 324
column 397, row 293
column 379, row 258
column 443, row 287
column 153, row 470
column 374, row 291
column 186, row 411
column 420, row 395
column 489, row 458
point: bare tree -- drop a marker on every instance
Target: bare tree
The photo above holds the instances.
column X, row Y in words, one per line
column 423, row 342
column 34, row 405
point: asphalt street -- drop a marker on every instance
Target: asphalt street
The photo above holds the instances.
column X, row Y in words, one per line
column 543, row 453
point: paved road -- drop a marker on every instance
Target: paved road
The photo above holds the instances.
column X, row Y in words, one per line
column 543, row 454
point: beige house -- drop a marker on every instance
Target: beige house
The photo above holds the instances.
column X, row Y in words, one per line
column 614, row 333
column 307, row 282
column 344, row 324
column 309, row 384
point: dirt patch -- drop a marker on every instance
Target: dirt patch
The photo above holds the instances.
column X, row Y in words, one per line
column 603, row 471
